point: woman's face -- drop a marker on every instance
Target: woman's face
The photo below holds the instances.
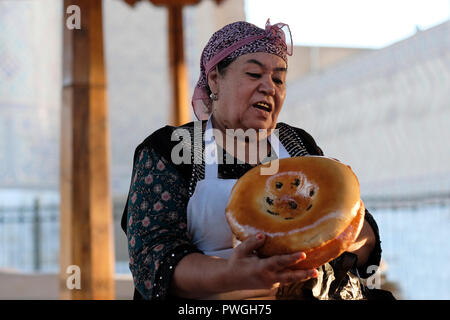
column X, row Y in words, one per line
column 250, row 93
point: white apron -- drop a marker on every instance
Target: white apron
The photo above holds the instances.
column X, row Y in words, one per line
column 206, row 219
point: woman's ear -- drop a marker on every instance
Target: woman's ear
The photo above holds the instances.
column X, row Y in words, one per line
column 213, row 80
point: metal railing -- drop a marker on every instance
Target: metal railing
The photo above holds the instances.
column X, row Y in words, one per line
column 29, row 240
column 29, row 236
column 26, row 242
column 413, row 202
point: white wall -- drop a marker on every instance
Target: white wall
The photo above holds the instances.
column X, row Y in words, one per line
column 136, row 49
column 30, row 92
column 386, row 113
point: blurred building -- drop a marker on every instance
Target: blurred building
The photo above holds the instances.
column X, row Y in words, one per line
column 136, row 48
column 138, row 84
column 30, row 93
column 384, row 112
column 307, row 60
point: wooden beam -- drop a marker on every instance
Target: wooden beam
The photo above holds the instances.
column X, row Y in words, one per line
column 86, row 224
column 180, row 112
column 170, row 3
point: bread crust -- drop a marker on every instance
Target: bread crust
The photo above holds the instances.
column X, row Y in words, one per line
column 312, row 204
column 316, row 257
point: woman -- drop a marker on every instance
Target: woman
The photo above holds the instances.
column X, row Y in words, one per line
column 179, row 242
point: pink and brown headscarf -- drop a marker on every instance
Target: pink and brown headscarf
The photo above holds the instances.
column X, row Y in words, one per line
column 232, row 41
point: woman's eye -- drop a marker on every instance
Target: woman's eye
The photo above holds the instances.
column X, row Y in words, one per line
column 254, row 75
column 278, row 81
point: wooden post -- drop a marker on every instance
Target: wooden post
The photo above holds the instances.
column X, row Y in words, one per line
column 86, row 224
column 180, row 113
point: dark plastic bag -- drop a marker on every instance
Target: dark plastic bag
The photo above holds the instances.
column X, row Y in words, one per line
column 337, row 280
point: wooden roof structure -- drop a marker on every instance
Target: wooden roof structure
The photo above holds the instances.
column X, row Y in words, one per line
column 86, row 222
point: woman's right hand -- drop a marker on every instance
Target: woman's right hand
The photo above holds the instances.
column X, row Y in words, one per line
column 248, row 271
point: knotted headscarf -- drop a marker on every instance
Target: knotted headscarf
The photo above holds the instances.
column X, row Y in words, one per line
column 232, row 41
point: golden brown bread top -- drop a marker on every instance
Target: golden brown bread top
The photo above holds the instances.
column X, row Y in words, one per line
column 308, row 202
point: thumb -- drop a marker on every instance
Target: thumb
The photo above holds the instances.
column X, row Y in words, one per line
column 248, row 246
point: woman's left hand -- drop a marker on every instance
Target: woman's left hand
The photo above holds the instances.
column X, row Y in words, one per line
column 364, row 244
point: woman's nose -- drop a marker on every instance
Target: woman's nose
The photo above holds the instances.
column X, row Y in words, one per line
column 267, row 86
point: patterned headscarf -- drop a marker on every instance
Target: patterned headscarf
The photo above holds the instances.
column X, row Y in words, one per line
column 232, row 41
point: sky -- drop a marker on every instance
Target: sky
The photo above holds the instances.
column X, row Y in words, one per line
column 349, row 23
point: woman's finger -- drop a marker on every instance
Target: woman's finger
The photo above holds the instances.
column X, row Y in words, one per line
column 296, row 276
column 280, row 262
column 247, row 247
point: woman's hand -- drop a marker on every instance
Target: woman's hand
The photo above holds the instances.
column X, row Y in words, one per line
column 198, row 276
column 364, row 244
column 247, row 271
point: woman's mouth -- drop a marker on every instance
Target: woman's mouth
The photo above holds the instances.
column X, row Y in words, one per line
column 263, row 106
